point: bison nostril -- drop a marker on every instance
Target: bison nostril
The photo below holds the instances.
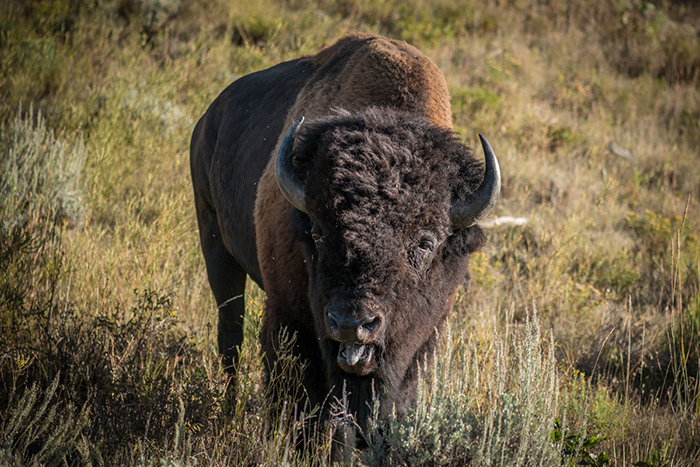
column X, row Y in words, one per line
column 371, row 323
column 368, row 327
column 332, row 323
column 348, row 329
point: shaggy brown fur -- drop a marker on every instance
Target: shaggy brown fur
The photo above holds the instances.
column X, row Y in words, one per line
column 387, row 179
column 380, row 166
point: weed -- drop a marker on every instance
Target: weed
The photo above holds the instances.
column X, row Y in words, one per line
column 38, row 431
column 576, row 447
column 655, row 461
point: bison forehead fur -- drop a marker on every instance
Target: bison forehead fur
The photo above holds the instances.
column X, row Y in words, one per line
column 374, row 182
column 363, row 262
column 375, row 159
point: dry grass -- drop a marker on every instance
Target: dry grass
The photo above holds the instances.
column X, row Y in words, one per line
column 107, row 325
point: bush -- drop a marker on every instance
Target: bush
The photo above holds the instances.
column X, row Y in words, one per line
column 33, row 430
column 41, row 175
column 467, row 416
column 129, row 367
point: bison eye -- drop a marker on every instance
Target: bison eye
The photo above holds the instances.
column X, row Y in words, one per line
column 422, row 249
column 426, row 244
column 316, row 236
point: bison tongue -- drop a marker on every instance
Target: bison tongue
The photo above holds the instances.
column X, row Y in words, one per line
column 354, row 353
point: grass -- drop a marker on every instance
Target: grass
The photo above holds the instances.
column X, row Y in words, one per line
column 107, row 324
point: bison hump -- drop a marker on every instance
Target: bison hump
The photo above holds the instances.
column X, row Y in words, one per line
column 363, row 70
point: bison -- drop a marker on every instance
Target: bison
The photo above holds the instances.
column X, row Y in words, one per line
column 358, row 224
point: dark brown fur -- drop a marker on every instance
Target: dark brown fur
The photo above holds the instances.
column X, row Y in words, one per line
column 380, row 166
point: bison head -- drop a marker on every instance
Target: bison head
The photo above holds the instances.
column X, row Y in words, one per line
column 387, row 211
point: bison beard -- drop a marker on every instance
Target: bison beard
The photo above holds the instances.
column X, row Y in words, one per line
column 359, row 228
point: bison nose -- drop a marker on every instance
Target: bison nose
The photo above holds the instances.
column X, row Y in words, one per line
column 350, row 330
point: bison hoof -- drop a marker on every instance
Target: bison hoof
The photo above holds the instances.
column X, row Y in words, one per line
column 356, row 358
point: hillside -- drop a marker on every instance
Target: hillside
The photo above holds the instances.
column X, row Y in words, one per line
column 578, row 340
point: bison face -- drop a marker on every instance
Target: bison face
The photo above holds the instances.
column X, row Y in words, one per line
column 375, row 291
column 377, row 193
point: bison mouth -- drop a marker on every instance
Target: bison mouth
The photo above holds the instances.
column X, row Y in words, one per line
column 356, row 358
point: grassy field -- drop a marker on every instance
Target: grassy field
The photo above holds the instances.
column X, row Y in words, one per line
column 578, row 342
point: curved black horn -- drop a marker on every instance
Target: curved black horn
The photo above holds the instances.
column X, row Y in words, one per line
column 284, row 172
column 480, row 203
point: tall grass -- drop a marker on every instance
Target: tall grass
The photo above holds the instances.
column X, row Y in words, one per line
column 107, row 325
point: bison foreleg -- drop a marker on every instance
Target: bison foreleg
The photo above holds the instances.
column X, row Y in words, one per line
column 227, row 280
column 230, row 332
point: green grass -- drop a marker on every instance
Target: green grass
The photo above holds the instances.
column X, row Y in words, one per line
column 107, row 325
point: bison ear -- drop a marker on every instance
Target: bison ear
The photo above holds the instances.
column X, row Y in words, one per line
column 479, row 204
column 287, row 181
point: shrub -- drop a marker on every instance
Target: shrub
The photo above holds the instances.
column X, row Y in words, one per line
column 467, row 416
column 41, row 175
column 129, row 367
column 32, row 429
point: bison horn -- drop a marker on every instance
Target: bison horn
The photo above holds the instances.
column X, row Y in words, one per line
column 284, row 172
column 480, row 203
